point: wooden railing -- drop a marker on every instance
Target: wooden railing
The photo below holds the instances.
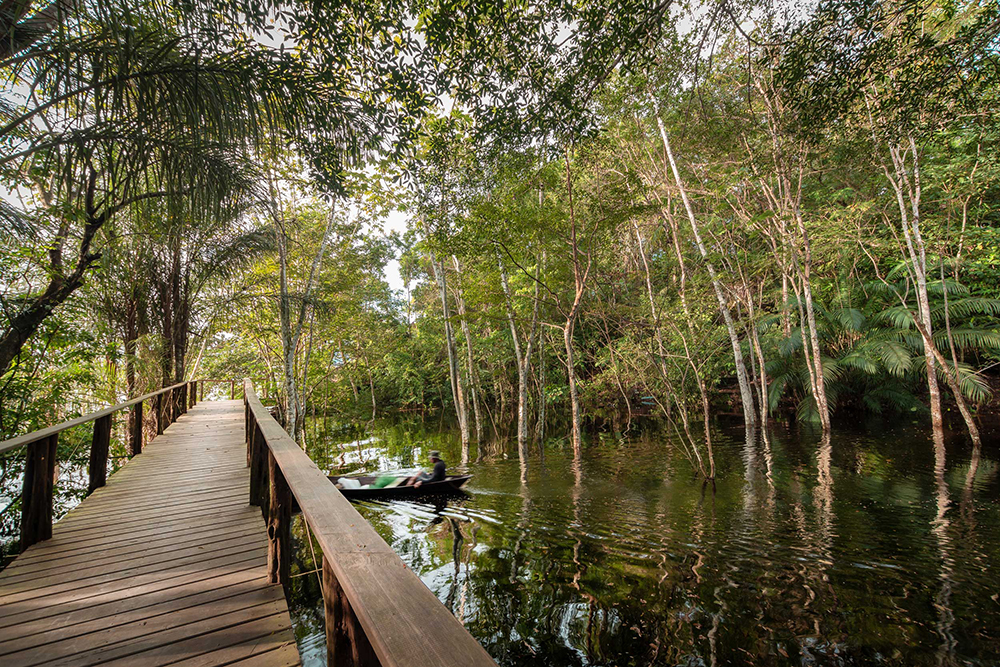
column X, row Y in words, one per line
column 233, row 385
column 39, row 470
column 378, row 612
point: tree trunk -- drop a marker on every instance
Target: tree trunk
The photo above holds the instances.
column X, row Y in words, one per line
column 25, row 323
column 574, row 397
column 457, row 390
column 580, row 276
column 542, row 398
column 906, row 185
column 522, row 355
column 292, row 324
column 746, row 395
column 473, row 375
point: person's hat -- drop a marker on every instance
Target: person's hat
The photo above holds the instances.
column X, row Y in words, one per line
column 435, row 454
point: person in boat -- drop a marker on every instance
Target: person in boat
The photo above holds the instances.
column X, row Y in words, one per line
column 437, row 474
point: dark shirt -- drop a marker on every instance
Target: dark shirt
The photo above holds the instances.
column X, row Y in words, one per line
column 437, row 475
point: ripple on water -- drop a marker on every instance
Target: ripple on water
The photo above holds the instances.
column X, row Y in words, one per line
column 634, row 561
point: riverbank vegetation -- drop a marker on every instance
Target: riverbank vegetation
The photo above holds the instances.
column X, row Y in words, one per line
column 656, row 212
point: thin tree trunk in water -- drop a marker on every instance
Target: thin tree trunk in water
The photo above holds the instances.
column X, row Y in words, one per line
column 457, row 391
column 350, row 376
column 574, row 397
column 907, row 188
column 523, row 359
column 702, row 388
column 292, row 325
column 819, row 387
column 657, row 332
column 542, row 397
column 952, row 379
column 789, row 202
column 473, row 375
column 580, row 284
column 371, row 385
column 746, row 395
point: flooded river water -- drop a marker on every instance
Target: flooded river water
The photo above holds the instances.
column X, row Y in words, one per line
column 879, row 547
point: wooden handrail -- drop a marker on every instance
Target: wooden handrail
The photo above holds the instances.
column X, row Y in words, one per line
column 378, row 612
column 42, row 445
column 41, row 434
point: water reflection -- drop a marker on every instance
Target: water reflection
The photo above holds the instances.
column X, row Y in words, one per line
column 807, row 551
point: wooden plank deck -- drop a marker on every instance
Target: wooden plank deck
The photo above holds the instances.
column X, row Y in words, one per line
column 166, row 565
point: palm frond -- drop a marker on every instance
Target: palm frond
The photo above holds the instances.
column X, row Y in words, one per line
column 896, row 316
column 969, row 339
column 850, row 319
column 968, row 306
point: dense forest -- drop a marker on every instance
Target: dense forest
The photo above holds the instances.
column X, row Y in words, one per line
column 657, row 212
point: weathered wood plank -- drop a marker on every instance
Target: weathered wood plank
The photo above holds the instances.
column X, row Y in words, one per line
column 166, row 564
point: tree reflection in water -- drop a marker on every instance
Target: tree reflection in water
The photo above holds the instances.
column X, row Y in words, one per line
column 806, row 550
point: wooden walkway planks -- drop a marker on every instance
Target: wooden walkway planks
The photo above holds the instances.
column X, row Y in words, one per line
column 166, row 565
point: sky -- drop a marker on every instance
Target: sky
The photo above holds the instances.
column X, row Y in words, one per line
column 394, row 222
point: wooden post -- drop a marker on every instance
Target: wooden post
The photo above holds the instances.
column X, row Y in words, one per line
column 259, row 473
column 192, row 393
column 36, row 492
column 158, row 413
column 346, row 642
column 247, row 429
column 232, row 390
column 99, row 446
column 182, row 400
column 279, row 523
column 135, row 440
column 202, row 387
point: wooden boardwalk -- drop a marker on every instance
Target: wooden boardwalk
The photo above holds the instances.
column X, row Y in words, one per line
column 166, row 565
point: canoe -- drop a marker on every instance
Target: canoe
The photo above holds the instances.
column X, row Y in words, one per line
column 452, row 484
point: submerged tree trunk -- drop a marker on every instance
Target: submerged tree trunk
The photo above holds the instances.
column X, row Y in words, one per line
column 457, row 390
column 580, row 275
column 473, row 375
column 906, row 185
column 293, row 317
column 540, row 417
column 746, row 395
column 700, row 381
column 522, row 355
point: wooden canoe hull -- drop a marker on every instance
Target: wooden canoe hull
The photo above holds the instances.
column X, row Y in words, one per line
column 450, row 485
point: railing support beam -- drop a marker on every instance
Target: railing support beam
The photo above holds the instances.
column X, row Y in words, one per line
column 158, row 412
column 346, row 642
column 260, row 493
column 135, row 437
column 99, row 448
column 36, row 493
column 279, row 523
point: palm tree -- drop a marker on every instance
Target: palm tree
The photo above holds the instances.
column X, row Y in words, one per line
column 119, row 115
column 874, row 355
